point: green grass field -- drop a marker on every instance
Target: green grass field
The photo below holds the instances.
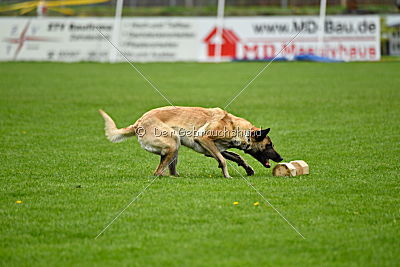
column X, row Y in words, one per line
column 343, row 119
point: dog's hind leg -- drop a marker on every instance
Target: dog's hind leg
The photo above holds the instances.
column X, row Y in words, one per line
column 239, row 160
column 167, row 159
column 160, row 139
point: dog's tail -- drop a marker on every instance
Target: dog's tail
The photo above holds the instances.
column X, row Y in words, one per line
column 114, row 134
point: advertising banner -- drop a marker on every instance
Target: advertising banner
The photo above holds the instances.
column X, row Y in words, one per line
column 393, row 21
column 348, row 38
column 54, row 39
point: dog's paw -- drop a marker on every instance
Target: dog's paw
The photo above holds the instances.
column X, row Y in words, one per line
column 249, row 171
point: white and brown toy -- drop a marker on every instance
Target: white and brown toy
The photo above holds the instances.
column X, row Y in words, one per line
column 294, row 168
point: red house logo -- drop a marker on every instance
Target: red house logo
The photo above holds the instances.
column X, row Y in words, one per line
column 229, row 42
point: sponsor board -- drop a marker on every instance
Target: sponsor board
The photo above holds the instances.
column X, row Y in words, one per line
column 54, row 39
column 77, row 39
column 159, row 39
column 393, row 20
column 394, row 35
column 348, row 38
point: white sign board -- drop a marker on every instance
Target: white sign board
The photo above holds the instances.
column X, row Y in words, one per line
column 393, row 20
column 160, row 39
column 54, row 39
column 348, row 38
column 394, row 37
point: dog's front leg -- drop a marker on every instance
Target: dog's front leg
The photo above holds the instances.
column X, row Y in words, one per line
column 210, row 146
column 239, row 160
column 172, row 165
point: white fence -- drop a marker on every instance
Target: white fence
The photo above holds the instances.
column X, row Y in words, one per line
column 349, row 38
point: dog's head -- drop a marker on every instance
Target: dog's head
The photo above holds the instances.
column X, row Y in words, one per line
column 262, row 148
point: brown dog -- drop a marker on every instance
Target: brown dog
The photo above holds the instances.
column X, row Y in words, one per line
column 210, row 131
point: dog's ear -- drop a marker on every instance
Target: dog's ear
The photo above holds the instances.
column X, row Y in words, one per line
column 259, row 135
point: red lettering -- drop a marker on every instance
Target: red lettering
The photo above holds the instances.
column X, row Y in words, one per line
column 288, row 49
column 333, row 51
column 247, row 49
column 342, row 50
column 372, row 52
column 363, row 52
column 269, row 51
column 353, row 52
